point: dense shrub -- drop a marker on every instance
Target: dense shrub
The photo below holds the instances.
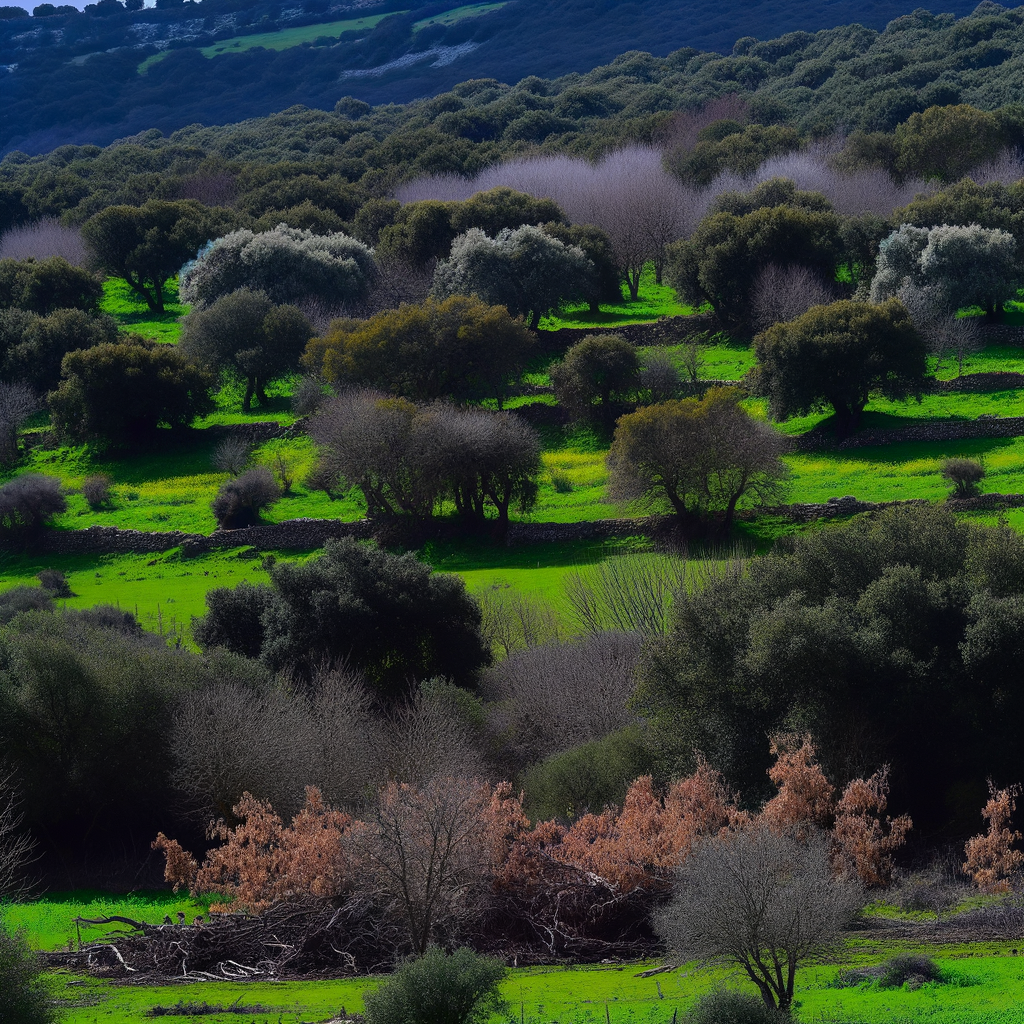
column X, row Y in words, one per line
column 458, row 348
column 963, row 474
column 240, row 501
column 125, row 391
column 728, row 1006
column 86, row 705
column 391, row 616
column 439, row 988
column 721, row 262
column 46, row 285
column 54, row 582
column 525, row 270
column 96, row 489
column 286, row 264
column 23, row 599
column 894, row 639
column 597, row 374
column 245, row 333
column 26, row 996
column 28, row 503
column 32, row 347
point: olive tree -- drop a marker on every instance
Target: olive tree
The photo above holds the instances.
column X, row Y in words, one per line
column 761, row 901
column 525, row 270
column 286, row 263
column 701, row 456
column 969, row 265
column 247, row 334
column 145, row 245
column 840, row 355
column 597, row 372
column 17, row 404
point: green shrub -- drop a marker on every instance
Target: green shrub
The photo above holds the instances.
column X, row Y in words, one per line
column 439, row 988
column 587, row 777
column 964, row 475
column 25, row 999
column 727, row 1006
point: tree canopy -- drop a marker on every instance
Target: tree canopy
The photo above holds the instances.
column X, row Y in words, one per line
column 839, row 355
column 525, row 270
column 459, row 348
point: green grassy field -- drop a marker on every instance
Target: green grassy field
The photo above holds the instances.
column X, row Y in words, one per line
column 457, row 14
column 133, row 314
column 286, row 38
column 655, row 300
column 49, row 923
column 984, row 984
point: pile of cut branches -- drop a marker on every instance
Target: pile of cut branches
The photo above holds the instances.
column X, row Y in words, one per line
column 294, row 938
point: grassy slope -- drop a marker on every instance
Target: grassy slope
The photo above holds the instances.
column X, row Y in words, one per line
column 986, row 986
column 289, row 37
column 133, row 314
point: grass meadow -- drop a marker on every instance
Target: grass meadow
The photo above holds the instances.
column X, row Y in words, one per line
column 132, row 313
column 654, row 301
column 984, row 984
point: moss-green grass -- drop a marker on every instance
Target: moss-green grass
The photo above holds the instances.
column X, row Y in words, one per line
column 654, row 301
column 985, row 985
column 457, row 14
column 132, row 313
column 49, row 922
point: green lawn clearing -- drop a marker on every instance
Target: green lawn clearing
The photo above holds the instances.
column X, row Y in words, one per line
column 457, row 14
column 49, row 922
column 655, row 300
column 132, row 313
column 983, row 984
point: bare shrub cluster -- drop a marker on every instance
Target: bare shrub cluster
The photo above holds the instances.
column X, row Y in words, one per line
column 552, row 697
column 45, row 237
column 781, row 294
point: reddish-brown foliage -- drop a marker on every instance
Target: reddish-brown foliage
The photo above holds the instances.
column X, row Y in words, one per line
column 861, row 842
column 804, row 794
column 991, row 858
column 639, row 845
column 262, row 860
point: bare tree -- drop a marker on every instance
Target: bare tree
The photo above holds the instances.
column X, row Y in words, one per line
column 936, row 319
column 558, row 695
column 781, row 294
column 630, row 593
column 513, row 620
column 763, row 901
column 45, row 237
column 229, row 739
column 427, row 850
column 16, row 846
column 231, row 455
column 17, row 404
column 659, row 375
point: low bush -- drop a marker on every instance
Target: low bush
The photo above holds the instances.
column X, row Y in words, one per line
column 29, row 502
column 231, row 455
column 439, row 988
column 55, row 582
column 25, row 997
column 96, row 490
column 23, row 599
column 727, row 1006
column 239, row 502
column 964, row 475
column 308, row 396
column 910, row 969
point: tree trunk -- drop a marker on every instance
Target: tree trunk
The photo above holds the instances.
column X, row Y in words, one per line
column 158, row 292
column 633, row 280
column 250, row 386
column 261, row 392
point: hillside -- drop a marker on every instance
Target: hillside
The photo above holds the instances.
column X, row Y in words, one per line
column 75, row 78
